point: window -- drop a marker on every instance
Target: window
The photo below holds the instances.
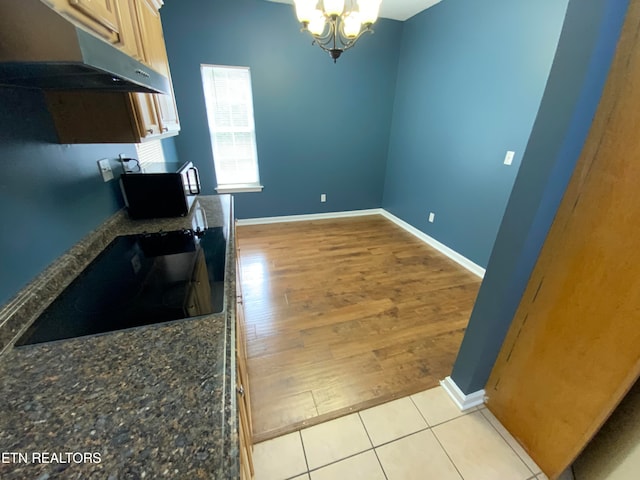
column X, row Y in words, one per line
column 150, row 152
column 147, row 153
column 229, row 102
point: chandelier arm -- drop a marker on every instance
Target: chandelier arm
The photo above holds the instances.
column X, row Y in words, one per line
column 345, row 43
column 321, row 40
column 323, row 47
column 317, row 38
column 353, row 41
column 335, row 41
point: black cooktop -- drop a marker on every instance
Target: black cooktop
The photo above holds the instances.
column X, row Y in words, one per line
column 139, row 280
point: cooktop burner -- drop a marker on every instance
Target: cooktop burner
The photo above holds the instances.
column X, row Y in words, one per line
column 139, row 280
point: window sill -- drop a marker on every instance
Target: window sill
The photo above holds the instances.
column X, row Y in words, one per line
column 239, row 188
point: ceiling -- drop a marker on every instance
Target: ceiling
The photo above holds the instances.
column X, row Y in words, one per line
column 395, row 9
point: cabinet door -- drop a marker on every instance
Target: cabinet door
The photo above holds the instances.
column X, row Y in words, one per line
column 245, row 431
column 99, row 15
column 167, row 111
column 244, row 398
column 130, row 41
column 155, row 56
column 241, row 339
column 244, row 441
column 146, row 115
column 243, row 372
column 150, row 28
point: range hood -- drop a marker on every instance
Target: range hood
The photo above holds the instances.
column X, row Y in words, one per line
column 41, row 49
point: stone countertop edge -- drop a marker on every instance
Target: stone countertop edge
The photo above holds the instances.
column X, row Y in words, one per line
column 157, row 401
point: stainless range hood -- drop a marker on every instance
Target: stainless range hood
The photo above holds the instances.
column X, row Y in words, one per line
column 41, row 49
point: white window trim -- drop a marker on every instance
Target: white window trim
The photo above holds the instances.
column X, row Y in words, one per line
column 239, row 188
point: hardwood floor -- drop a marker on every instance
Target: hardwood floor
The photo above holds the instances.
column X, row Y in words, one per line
column 345, row 314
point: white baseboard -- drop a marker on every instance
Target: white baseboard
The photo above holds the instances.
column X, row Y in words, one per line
column 452, row 254
column 311, row 216
column 462, row 400
column 442, row 248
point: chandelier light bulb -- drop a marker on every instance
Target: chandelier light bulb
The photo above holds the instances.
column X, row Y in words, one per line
column 317, row 24
column 305, row 9
column 369, row 10
column 333, row 7
column 352, row 25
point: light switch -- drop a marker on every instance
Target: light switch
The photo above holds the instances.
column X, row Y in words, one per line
column 508, row 158
column 432, row 217
column 105, row 169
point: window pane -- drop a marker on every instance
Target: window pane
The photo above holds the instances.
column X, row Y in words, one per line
column 229, row 106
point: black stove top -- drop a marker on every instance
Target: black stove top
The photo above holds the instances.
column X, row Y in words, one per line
column 139, row 280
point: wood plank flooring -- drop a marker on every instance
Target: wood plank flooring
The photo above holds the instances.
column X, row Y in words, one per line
column 345, row 314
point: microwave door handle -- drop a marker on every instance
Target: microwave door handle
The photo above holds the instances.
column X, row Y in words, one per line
column 197, row 181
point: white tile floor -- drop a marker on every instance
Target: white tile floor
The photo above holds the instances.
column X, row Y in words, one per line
column 424, row 436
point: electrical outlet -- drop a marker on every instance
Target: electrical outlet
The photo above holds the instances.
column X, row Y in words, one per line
column 508, row 158
column 105, row 169
column 323, row 197
column 432, row 217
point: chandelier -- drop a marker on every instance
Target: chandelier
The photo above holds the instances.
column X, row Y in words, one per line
column 336, row 25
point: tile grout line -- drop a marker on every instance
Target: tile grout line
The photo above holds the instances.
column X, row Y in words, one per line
column 462, row 414
column 438, row 440
column 429, row 427
column 535, row 475
column 420, row 412
column 375, row 452
column 309, row 470
column 447, row 454
column 402, row 437
column 374, row 447
column 304, row 452
column 339, row 460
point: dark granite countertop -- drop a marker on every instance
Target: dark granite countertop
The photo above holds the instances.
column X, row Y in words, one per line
column 152, row 402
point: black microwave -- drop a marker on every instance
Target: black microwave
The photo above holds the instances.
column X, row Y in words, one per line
column 160, row 190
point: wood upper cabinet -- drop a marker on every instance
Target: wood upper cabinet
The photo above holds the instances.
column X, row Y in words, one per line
column 130, row 40
column 155, row 56
column 100, row 16
column 150, row 30
column 135, row 27
column 146, row 115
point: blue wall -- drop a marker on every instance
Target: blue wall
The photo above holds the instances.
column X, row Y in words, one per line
column 321, row 128
column 579, row 71
column 50, row 195
column 470, row 79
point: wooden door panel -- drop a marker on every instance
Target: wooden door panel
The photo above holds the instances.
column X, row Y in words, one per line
column 168, row 111
column 573, row 349
column 103, row 13
column 150, row 28
column 130, row 39
column 155, row 56
column 146, row 115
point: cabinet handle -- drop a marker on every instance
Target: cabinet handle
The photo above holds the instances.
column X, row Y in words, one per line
column 142, row 73
column 165, row 129
column 241, row 390
column 150, row 131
